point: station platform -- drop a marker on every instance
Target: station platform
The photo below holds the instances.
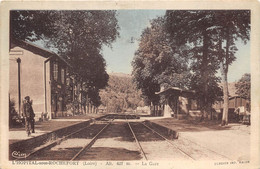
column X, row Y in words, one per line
column 44, row 129
column 231, row 141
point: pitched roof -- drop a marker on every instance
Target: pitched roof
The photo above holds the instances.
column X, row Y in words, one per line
column 176, row 90
column 36, row 49
column 31, row 47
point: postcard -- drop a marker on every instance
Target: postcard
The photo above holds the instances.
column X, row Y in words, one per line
column 130, row 84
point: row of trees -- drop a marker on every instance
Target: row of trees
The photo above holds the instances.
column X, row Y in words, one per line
column 121, row 94
column 77, row 36
column 186, row 49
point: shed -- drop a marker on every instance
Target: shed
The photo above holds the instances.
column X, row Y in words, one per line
column 176, row 101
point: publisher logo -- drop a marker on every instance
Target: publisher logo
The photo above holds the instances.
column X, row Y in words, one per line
column 18, row 154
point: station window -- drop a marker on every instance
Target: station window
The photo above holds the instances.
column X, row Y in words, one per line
column 55, row 71
column 68, row 81
column 62, row 76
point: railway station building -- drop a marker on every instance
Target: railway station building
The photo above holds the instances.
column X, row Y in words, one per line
column 177, row 103
column 41, row 74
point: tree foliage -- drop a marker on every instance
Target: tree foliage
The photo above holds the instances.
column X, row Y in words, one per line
column 30, row 25
column 243, row 86
column 79, row 37
column 157, row 63
column 121, row 94
column 93, row 95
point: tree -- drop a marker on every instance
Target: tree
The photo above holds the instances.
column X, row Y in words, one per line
column 194, row 28
column 79, row 36
column 243, row 86
column 157, row 63
column 229, row 26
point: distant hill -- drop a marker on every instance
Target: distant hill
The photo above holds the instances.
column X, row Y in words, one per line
column 119, row 74
column 121, row 94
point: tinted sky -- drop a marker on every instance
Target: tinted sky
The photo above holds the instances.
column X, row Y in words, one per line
column 132, row 22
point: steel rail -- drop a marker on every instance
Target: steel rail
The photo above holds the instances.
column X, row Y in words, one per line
column 86, row 147
column 51, row 144
column 168, row 141
column 136, row 140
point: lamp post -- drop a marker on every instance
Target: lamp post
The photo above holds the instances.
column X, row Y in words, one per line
column 19, row 85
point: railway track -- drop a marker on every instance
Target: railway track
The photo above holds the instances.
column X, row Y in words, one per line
column 143, row 134
column 136, row 140
column 107, row 139
column 86, row 147
column 89, row 134
column 78, row 143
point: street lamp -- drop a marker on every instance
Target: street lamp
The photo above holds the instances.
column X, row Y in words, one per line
column 19, row 85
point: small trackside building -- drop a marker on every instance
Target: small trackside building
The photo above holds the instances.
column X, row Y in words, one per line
column 177, row 102
column 234, row 102
column 236, row 105
column 40, row 74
